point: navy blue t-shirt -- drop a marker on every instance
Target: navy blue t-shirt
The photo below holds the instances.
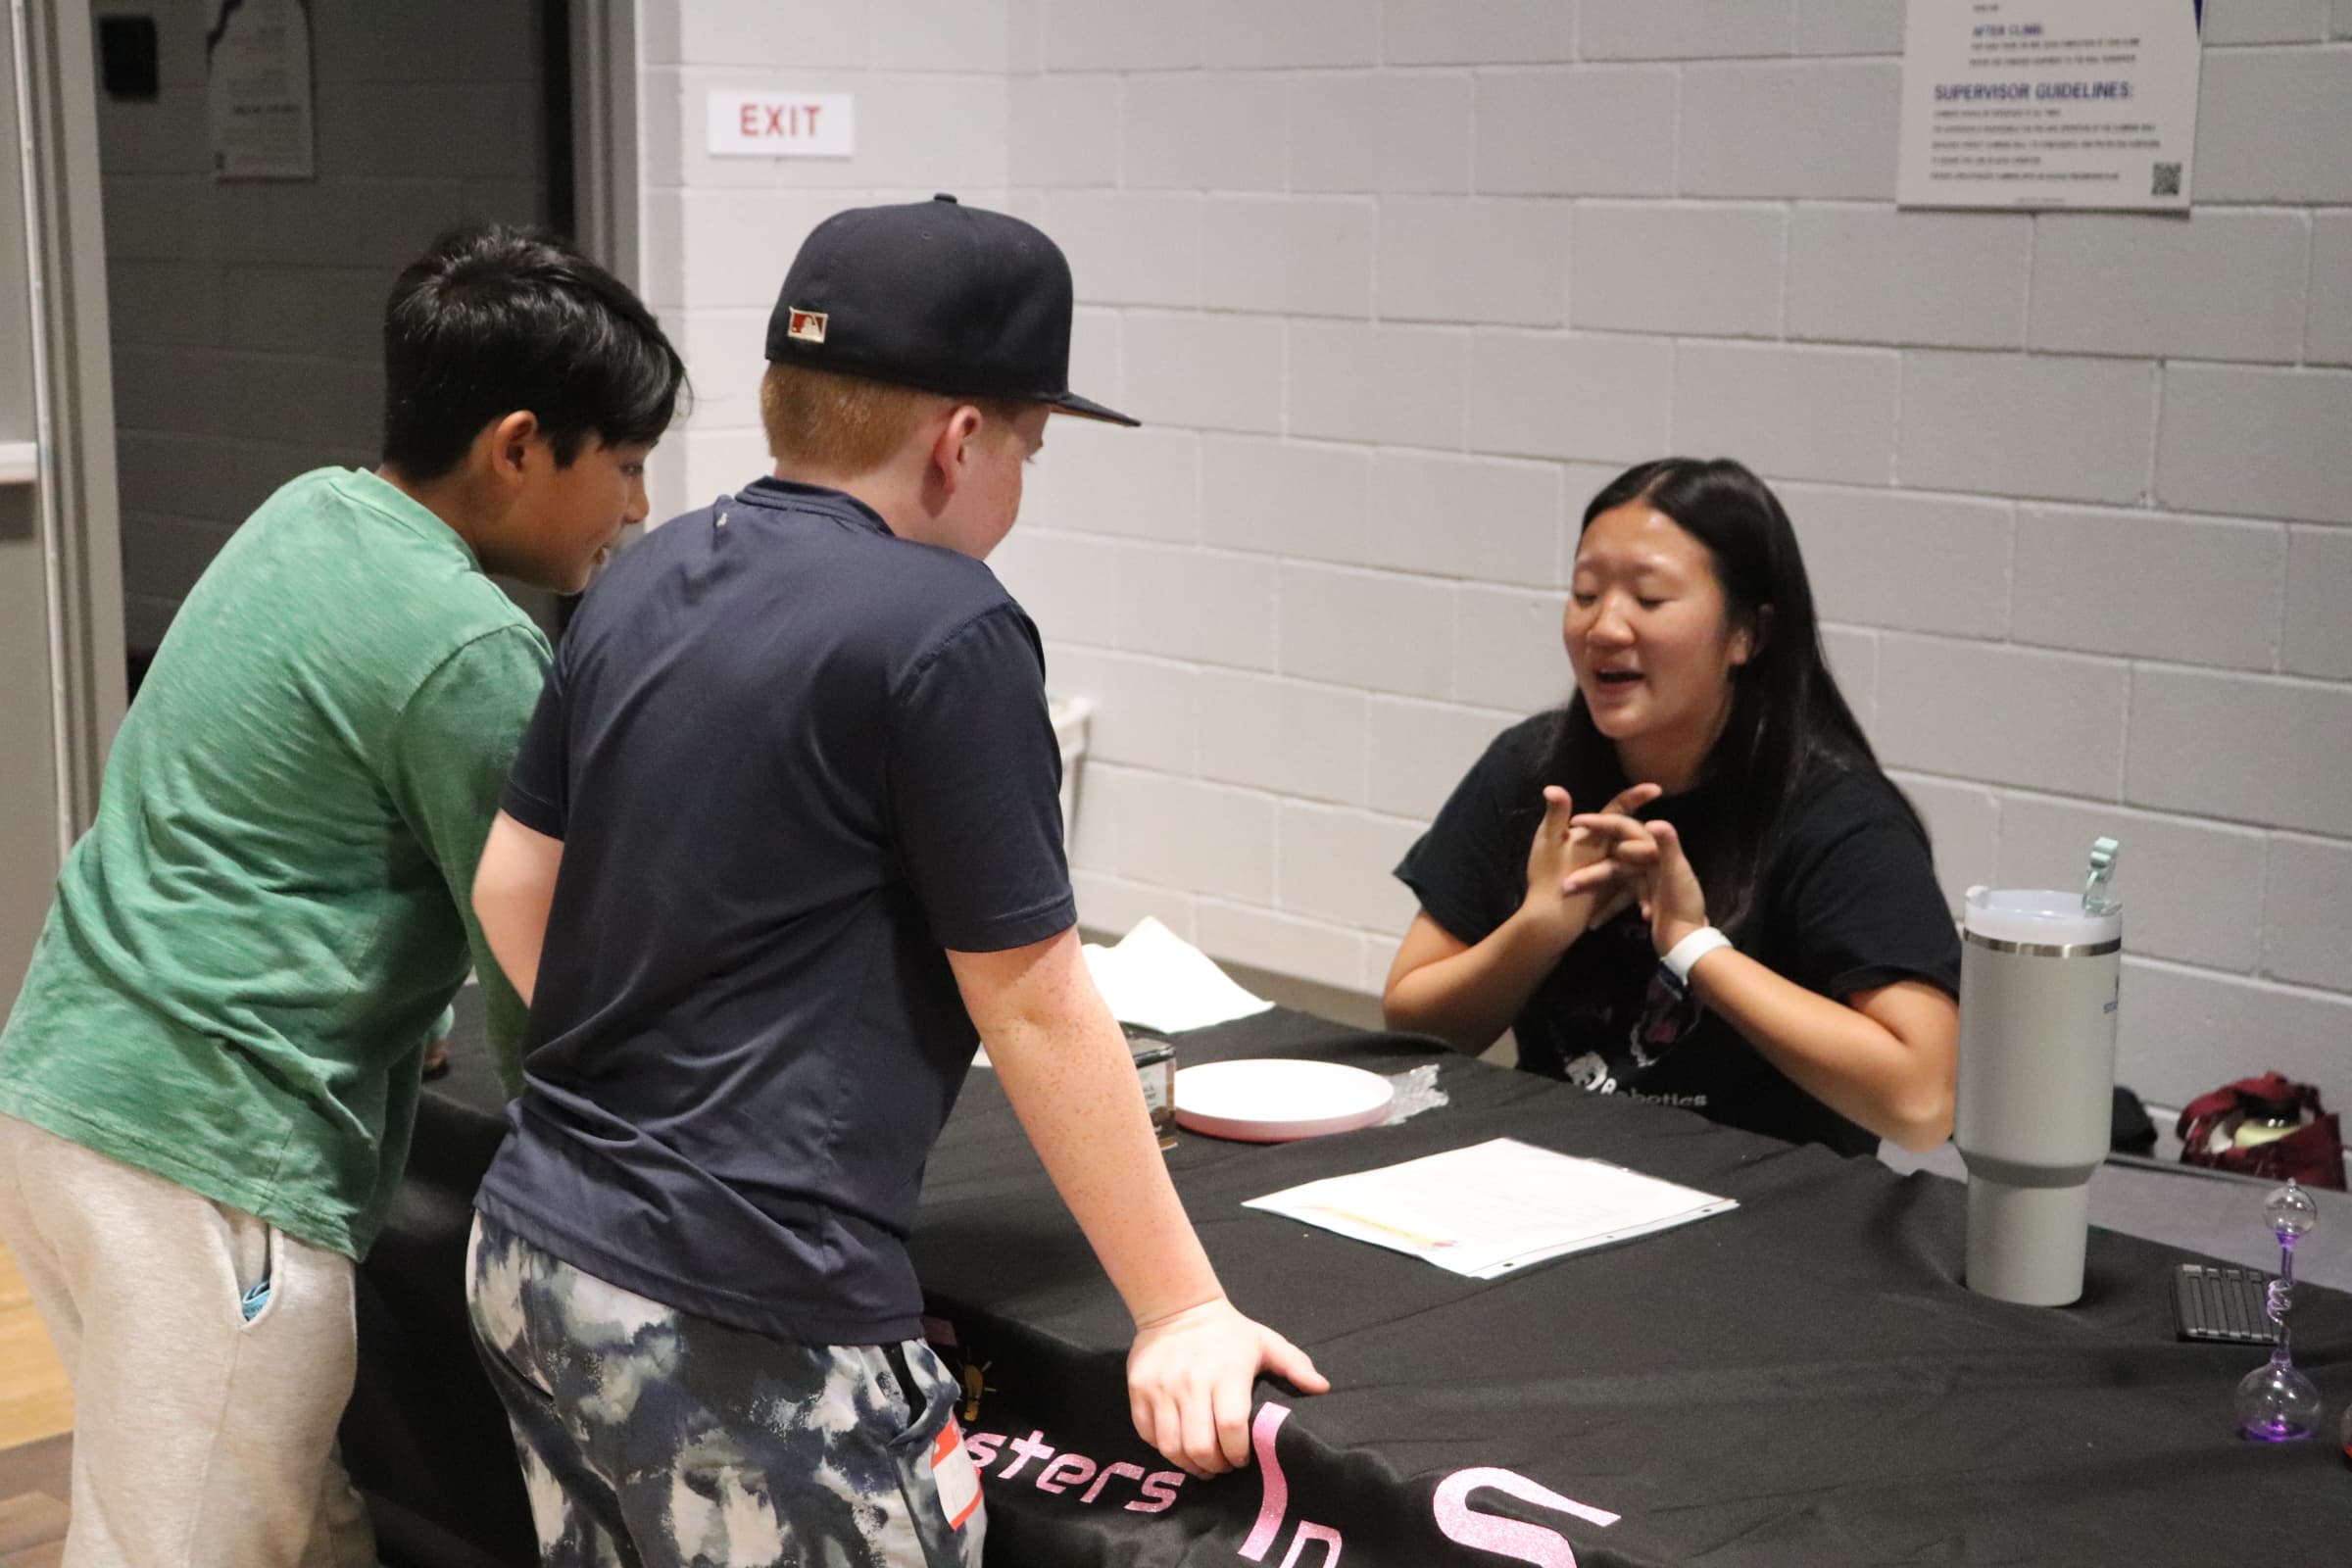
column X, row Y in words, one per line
column 793, row 759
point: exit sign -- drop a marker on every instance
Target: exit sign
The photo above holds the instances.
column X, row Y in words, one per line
column 782, row 124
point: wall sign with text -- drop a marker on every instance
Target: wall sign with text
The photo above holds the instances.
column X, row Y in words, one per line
column 2049, row 103
column 258, row 97
column 782, row 124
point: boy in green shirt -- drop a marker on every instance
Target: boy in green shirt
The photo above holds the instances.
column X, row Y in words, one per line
column 208, row 1082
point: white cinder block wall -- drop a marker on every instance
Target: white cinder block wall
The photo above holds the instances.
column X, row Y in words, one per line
column 1398, row 285
column 247, row 316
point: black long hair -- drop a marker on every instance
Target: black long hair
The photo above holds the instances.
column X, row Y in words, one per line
column 1787, row 718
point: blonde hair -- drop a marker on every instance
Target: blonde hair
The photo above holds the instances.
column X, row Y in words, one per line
column 848, row 425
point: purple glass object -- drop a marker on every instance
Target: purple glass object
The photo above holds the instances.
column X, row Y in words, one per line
column 2276, row 1402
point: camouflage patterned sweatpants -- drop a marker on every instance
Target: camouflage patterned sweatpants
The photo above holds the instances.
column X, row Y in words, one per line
column 651, row 1436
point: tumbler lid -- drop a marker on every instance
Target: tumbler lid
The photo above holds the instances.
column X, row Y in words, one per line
column 2043, row 916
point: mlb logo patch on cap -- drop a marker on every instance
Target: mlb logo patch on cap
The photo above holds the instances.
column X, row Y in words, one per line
column 806, row 325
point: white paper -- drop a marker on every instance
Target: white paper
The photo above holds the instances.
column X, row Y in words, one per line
column 1155, row 979
column 1493, row 1208
column 257, row 91
column 2049, row 103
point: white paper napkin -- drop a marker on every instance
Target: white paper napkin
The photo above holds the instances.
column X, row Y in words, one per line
column 1156, row 979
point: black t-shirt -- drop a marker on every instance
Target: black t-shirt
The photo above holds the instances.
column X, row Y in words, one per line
column 793, row 759
column 1848, row 901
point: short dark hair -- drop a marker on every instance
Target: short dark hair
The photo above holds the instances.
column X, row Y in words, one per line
column 492, row 318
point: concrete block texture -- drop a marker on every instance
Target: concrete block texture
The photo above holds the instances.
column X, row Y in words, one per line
column 1321, row 950
column 1776, row 130
column 246, row 316
column 2114, row 283
column 1396, row 286
column 1592, row 130
column 2069, row 428
column 1466, row 259
column 2272, row 125
column 2002, row 715
column 1290, row 32
column 1789, row 412
column 2267, row 21
column 1653, row 268
column 2181, row 1031
column 1336, row 863
column 2259, row 443
column 1445, row 32
column 1385, row 132
column 2241, row 749
column 2307, row 911
column 2195, row 591
column 1884, row 557
column 1854, row 276
column 1291, row 737
column 1591, row 397
column 2328, row 323
column 2317, row 638
column 1686, row 29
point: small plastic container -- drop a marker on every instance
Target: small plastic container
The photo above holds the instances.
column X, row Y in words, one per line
column 1156, row 1067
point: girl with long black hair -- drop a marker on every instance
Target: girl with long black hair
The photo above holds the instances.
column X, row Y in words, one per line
column 1693, row 883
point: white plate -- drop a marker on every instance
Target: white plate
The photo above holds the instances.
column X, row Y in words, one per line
column 1272, row 1101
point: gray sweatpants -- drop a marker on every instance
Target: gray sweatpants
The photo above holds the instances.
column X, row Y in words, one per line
column 202, row 1437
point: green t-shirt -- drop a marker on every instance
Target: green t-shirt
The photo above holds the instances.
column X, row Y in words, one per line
column 248, row 950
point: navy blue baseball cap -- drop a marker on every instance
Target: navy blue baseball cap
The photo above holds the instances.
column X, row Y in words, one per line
column 934, row 295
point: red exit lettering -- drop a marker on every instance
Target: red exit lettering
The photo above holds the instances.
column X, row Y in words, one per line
column 788, row 122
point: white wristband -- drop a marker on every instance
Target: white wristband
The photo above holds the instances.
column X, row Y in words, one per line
column 1680, row 958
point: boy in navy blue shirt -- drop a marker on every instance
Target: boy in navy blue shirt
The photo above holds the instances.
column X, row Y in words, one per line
column 782, row 841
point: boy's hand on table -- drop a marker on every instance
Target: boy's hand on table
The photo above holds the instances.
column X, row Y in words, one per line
column 1191, row 1380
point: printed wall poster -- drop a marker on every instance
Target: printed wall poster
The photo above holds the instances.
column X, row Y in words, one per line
column 2049, row 103
column 257, row 90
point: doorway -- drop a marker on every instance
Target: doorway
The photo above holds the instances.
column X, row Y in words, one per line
column 213, row 338
column 247, row 309
column 60, row 638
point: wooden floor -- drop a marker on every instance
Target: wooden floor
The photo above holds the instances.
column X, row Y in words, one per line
column 37, row 1425
column 35, row 1401
column 32, row 1502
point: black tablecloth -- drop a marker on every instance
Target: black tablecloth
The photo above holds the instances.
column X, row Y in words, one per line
column 425, row 1435
column 1802, row 1380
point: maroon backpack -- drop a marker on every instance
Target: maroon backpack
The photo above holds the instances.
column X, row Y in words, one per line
column 2313, row 1153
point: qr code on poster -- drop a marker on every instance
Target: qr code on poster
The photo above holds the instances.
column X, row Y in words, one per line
column 2167, row 181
